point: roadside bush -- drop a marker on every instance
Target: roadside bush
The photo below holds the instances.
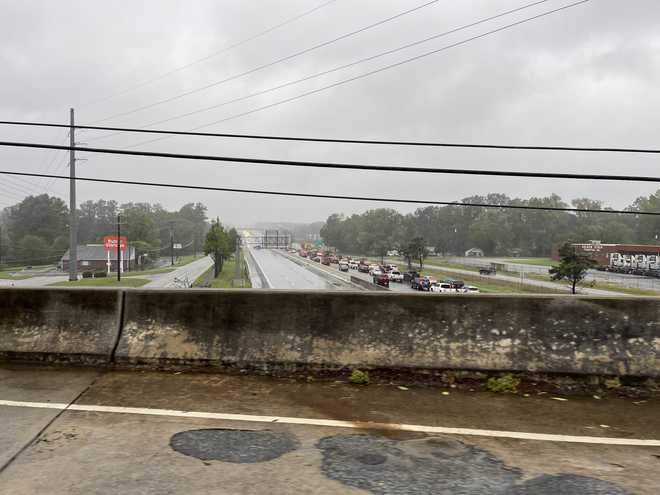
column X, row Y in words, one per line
column 359, row 377
column 503, row 384
column 100, row 274
column 87, row 274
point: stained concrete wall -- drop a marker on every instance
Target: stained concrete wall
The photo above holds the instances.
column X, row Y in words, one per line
column 265, row 329
column 74, row 325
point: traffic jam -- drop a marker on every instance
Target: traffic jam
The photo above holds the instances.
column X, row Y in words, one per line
column 386, row 274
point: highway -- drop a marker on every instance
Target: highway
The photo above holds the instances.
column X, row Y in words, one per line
column 285, row 274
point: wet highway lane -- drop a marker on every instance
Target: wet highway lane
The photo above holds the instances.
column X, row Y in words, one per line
column 284, row 274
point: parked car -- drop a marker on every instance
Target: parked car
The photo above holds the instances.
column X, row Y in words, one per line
column 353, row 265
column 409, row 276
column 343, row 266
column 487, row 271
column 382, row 280
column 395, row 276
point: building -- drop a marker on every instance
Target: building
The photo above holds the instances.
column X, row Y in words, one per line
column 94, row 258
column 474, row 252
column 628, row 255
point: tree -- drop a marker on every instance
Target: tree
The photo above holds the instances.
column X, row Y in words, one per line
column 33, row 249
column 217, row 245
column 573, row 266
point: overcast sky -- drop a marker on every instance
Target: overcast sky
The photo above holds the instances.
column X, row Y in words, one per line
column 586, row 76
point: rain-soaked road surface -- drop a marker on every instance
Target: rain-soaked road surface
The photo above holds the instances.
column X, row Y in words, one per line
column 83, row 431
column 284, row 274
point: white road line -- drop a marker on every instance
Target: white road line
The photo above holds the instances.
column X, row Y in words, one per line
column 338, row 424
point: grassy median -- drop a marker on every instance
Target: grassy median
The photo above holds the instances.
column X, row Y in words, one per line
column 225, row 279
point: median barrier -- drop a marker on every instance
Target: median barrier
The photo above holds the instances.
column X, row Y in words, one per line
column 366, row 284
column 267, row 330
column 70, row 325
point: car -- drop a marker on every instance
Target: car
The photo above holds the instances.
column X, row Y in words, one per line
column 317, row 259
column 376, row 270
column 353, row 265
column 409, row 276
column 395, row 276
column 442, row 287
column 343, row 266
column 487, row 271
column 417, row 282
column 471, row 289
column 424, row 284
column 363, row 268
column 325, row 261
column 334, row 260
column 391, row 268
column 382, row 280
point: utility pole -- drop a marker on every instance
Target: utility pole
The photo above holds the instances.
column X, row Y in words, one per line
column 73, row 215
column 0, row 246
column 172, row 242
column 118, row 247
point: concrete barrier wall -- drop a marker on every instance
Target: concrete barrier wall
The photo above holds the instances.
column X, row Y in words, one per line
column 269, row 329
column 74, row 325
column 263, row 328
column 365, row 284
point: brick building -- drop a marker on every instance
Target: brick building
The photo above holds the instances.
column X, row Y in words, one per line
column 633, row 255
column 94, row 258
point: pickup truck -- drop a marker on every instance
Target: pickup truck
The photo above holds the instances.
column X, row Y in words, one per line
column 395, row 276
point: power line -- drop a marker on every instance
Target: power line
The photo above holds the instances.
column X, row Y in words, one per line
column 211, row 55
column 269, row 64
column 332, row 196
column 344, row 141
column 335, row 69
column 341, row 166
column 372, row 72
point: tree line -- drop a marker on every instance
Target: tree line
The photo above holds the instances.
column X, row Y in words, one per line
column 36, row 230
column 452, row 230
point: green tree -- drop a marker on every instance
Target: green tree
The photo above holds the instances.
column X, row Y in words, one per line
column 33, row 249
column 573, row 266
column 217, row 246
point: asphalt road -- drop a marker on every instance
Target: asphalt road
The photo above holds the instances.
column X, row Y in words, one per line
column 285, row 274
column 189, row 272
column 83, row 431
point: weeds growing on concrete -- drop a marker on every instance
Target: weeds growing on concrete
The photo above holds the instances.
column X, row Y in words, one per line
column 503, row 384
column 359, row 377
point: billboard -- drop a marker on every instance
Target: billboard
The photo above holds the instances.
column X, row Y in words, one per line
column 110, row 243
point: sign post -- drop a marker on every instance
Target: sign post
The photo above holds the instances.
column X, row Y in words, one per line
column 118, row 244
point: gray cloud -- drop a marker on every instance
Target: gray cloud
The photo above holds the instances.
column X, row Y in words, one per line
column 586, row 76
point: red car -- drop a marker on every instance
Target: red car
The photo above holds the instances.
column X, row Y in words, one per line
column 325, row 261
column 383, row 280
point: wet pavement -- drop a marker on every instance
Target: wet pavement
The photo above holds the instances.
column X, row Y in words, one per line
column 282, row 273
column 96, row 445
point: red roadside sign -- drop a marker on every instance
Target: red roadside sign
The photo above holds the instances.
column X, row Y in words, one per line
column 110, row 243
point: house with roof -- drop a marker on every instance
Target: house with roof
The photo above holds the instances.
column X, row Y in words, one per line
column 94, row 258
column 474, row 252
